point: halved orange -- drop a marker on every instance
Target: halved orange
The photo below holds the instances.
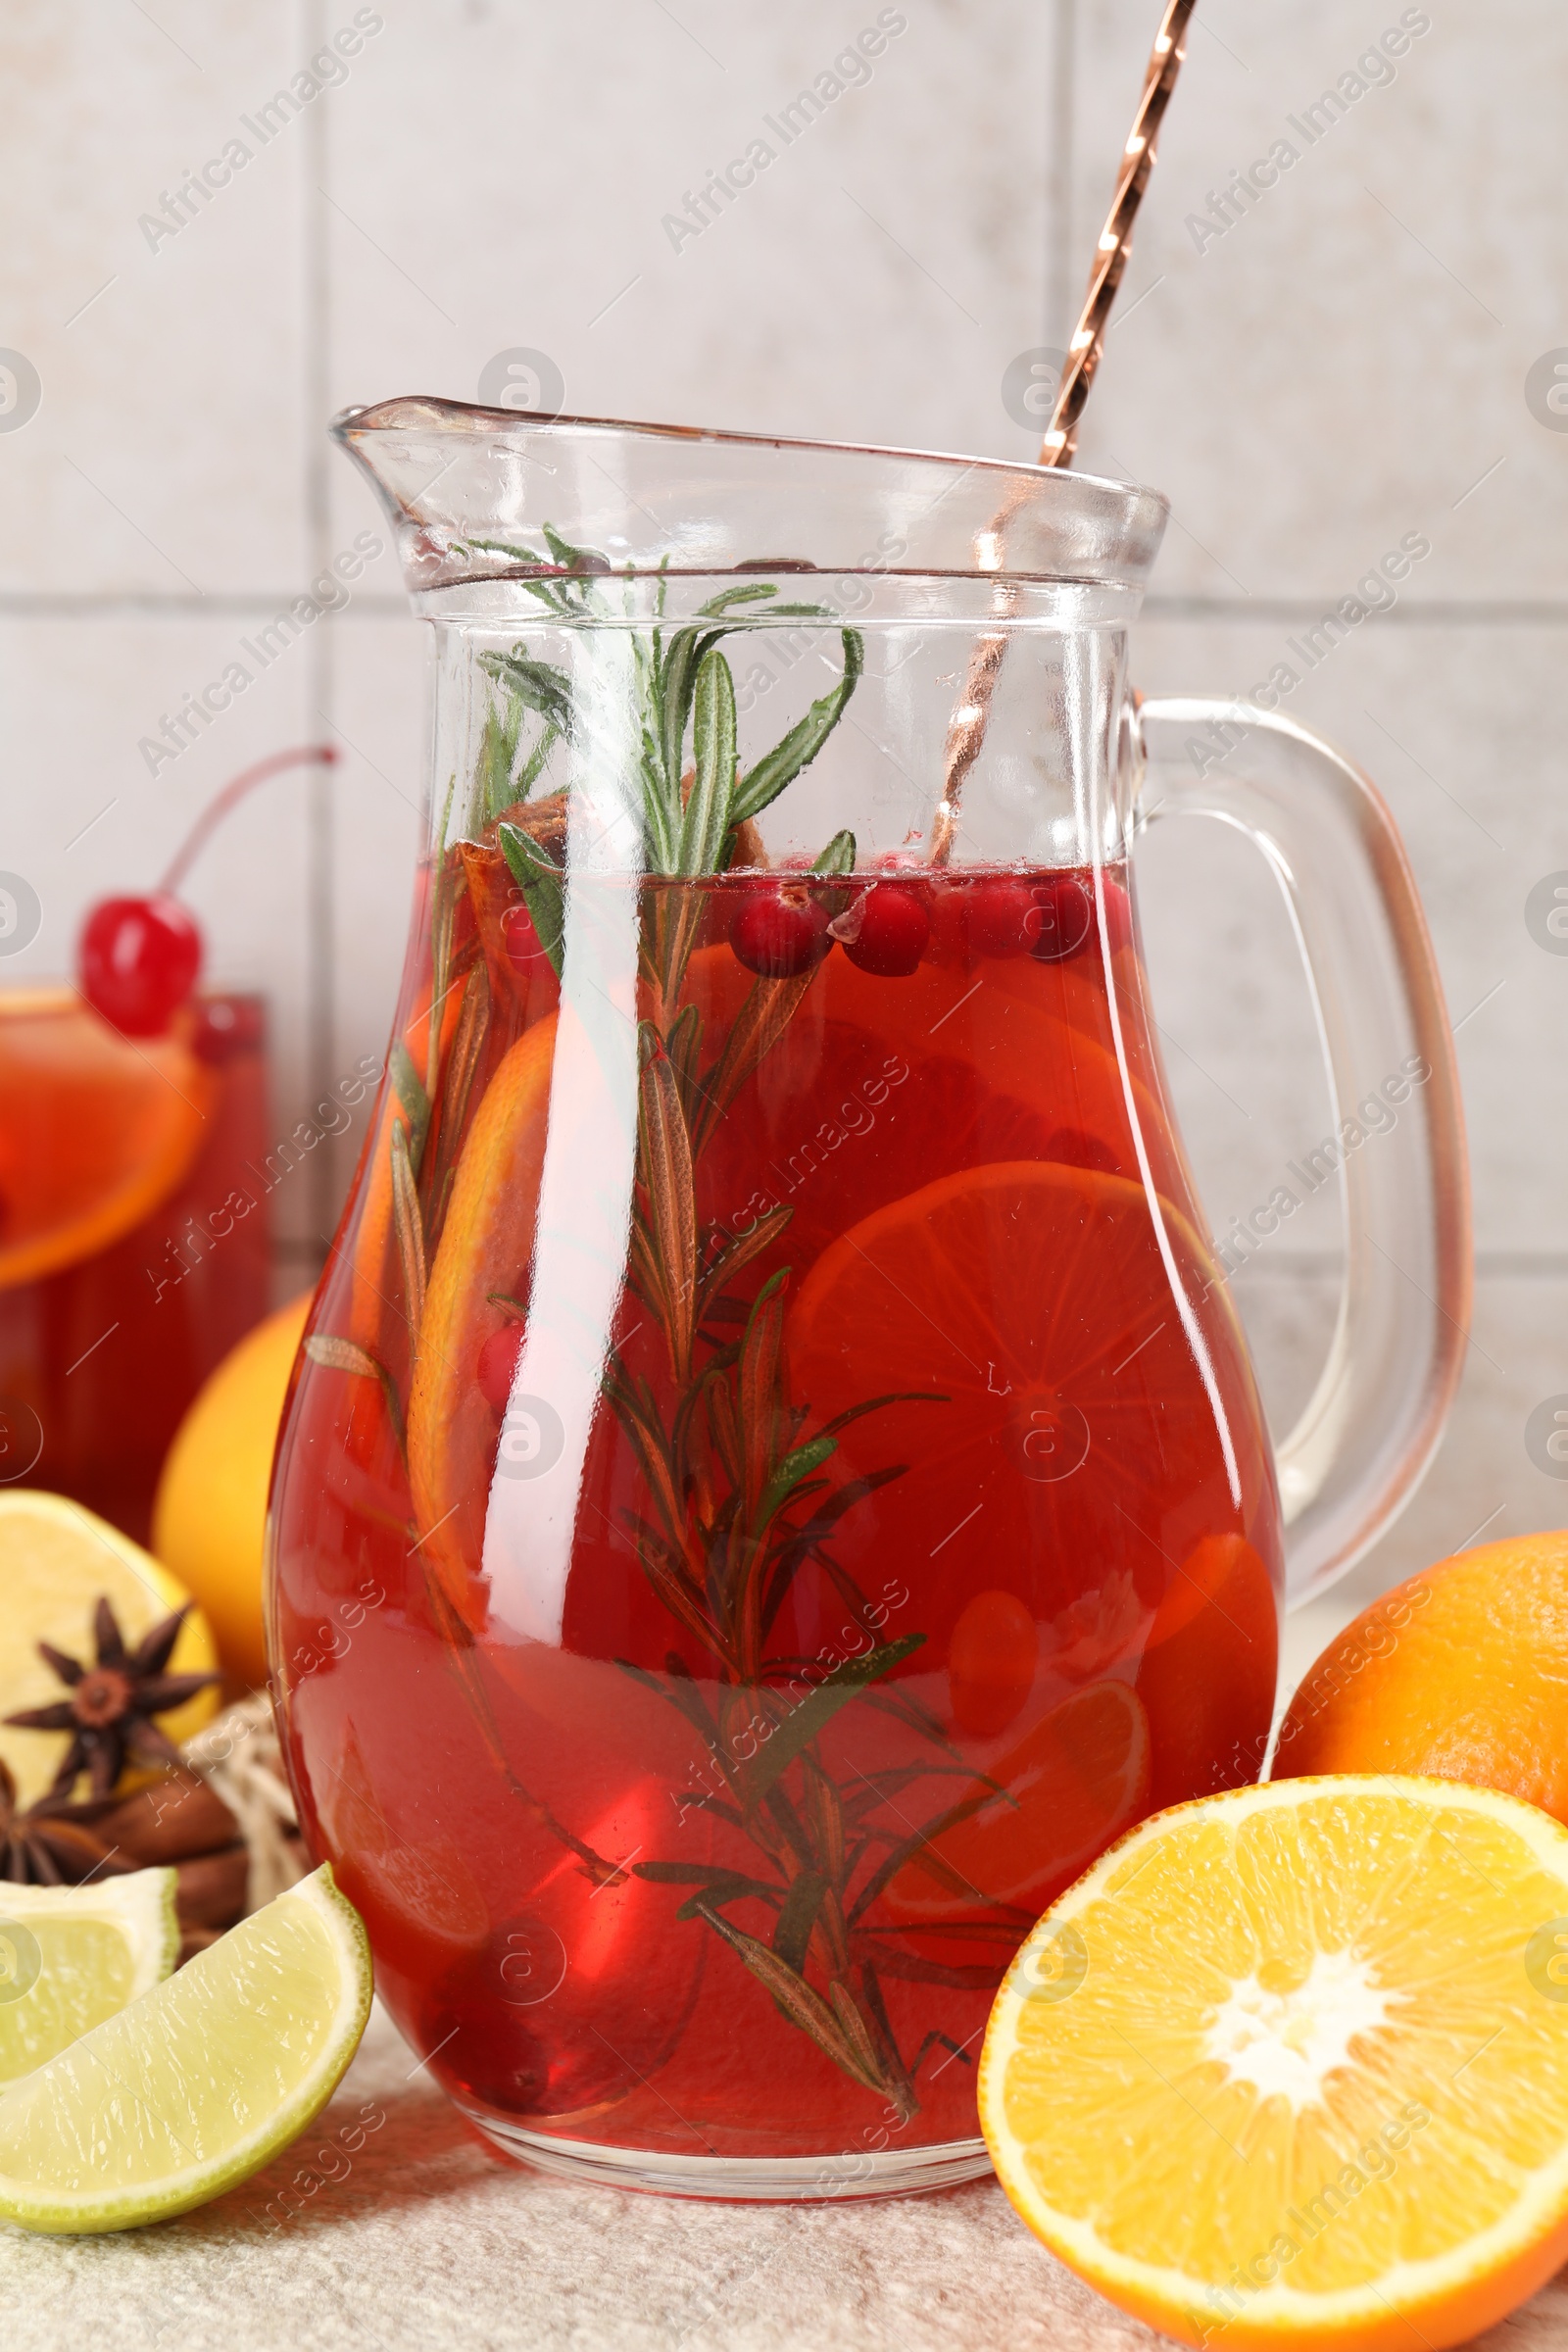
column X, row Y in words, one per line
column 1290, row 2066
column 1072, row 1784
column 95, row 1129
column 1094, row 1400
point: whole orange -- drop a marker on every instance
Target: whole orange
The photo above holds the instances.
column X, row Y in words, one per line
column 1460, row 1674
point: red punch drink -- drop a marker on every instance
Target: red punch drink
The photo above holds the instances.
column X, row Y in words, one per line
column 134, row 1234
column 698, row 1753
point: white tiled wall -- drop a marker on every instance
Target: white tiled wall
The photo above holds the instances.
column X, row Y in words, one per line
column 1344, row 365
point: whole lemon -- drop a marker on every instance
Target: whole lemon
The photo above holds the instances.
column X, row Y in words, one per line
column 1459, row 1674
column 210, row 1513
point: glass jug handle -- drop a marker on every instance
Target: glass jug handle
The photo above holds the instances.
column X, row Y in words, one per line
column 1397, row 1147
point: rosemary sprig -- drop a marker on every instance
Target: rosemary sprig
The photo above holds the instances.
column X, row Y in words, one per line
column 347, row 1355
column 742, row 1499
column 690, row 807
column 543, row 886
column 408, row 1220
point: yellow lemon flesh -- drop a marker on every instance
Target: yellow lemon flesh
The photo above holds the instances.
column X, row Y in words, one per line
column 1290, row 2066
column 210, row 1514
column 56, row 1561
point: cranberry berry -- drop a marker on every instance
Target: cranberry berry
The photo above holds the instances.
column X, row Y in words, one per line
column 999, row 911
column 781, row 933
column 1060, row 920
column 895, row 928
column 139, row 959
column 1118, row 914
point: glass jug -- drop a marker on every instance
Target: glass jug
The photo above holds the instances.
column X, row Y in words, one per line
column 773, row 1484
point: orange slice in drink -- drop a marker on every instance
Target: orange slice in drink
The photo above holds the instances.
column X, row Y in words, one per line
column 1094, row 1396
column 479, row 1281
column 484, row 1254
column 871, row 1123
column 1074, row 1782
column 374, row 1245
column 95, row 1130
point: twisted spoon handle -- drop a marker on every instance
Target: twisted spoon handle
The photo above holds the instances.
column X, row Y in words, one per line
column 1116, row 238
column 966, row 728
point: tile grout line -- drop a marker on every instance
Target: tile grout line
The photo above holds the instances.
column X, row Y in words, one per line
column 1059, row 172
column 110, row 604
column 1490, row 1265
column 1432, row 612
column 251, row 605
column 320, row 984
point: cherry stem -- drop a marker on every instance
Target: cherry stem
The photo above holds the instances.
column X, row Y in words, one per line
column 306, row 755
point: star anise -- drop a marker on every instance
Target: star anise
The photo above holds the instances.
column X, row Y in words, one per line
column 44, row 1847
column 109, row 1713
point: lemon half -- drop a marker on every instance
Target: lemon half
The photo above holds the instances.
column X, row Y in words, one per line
column 56, row 1561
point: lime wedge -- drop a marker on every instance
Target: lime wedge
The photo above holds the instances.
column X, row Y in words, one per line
column 71, row 1957
column 201, row 2082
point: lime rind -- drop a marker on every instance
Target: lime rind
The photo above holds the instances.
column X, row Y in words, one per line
column 199, row 2083
column 73, row 1956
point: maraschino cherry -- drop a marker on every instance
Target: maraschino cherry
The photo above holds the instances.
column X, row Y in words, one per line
column 139, row 959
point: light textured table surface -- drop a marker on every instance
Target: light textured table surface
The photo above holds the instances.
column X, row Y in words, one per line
column 431, row 2241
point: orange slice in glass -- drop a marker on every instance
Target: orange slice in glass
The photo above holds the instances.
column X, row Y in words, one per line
column 373, row 1245
column 863, row 1125
column 95, row 1129
column 1072, row 1784
column 479, row 1280
column 1095, row 1401
column 484, row 1254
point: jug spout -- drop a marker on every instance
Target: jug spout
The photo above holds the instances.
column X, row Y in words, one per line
column 477, row 495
